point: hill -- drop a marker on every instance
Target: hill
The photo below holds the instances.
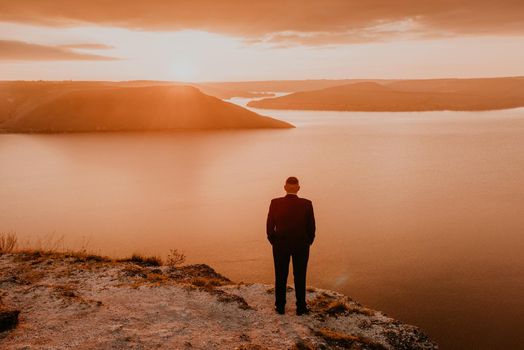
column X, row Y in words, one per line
column 407, row 95
column 83, row 107
column 284, row 85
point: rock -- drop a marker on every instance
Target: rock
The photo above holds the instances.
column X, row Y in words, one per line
column 224, row 297
column 202, row 270
column 186, row 307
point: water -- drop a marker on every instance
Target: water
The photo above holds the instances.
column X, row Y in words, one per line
column 419, row 215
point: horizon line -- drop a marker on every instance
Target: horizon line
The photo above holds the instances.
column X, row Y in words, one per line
column 256, row 81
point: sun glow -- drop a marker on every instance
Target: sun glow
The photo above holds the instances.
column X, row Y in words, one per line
column 195, row 55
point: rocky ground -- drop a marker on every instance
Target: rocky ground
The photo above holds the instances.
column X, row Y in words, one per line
column 90, row 302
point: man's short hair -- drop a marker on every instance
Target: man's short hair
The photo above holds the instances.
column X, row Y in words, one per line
column 292, row 180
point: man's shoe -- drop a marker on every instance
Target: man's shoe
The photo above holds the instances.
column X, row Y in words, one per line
column 280, row 310
column 302, row 311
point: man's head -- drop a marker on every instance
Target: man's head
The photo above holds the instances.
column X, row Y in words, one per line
column 292, row 185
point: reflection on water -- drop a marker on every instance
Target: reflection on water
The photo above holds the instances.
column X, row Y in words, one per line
column 418, row 214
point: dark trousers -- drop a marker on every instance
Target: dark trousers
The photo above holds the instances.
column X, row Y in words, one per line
column 281, row 257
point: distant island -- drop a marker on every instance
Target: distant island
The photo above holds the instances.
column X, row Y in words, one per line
column 143, row 105
column 406, row 95
column 75, row 299
column 99, row 106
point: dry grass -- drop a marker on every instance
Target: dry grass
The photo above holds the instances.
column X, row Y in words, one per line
column 207, row 283
column 332, row 306
column 188, row 272
column 142, row 260
column 175, row 258
column 8, row 242
column 363, row 311
column 225, row 297
column 347, row 341
column 28, row 254
column 49, row 243
column 52, row 246
column 157, row 279
column 336, row 307
column 148, row 276
column 134, row 271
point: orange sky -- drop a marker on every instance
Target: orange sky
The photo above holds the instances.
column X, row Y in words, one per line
column 248, row 40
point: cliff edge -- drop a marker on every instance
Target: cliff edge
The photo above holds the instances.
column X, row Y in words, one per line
column 86, row 301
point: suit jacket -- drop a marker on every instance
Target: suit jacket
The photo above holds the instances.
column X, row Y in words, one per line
column 290, row 222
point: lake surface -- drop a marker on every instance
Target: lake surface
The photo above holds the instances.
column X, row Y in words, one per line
column 420, row 215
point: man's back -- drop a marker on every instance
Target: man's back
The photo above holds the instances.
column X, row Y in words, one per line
column 290, row 230
column 291, row 222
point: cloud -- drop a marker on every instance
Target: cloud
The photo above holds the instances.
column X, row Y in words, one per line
column 284, row 22
column 88, row 46
column 22, row 51
column 404, row 29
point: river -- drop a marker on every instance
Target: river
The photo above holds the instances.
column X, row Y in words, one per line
column 419, row 215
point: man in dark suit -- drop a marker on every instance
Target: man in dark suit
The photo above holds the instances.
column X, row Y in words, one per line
column 290, row 230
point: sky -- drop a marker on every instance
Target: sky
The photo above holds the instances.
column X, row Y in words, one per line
column 233, row 40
